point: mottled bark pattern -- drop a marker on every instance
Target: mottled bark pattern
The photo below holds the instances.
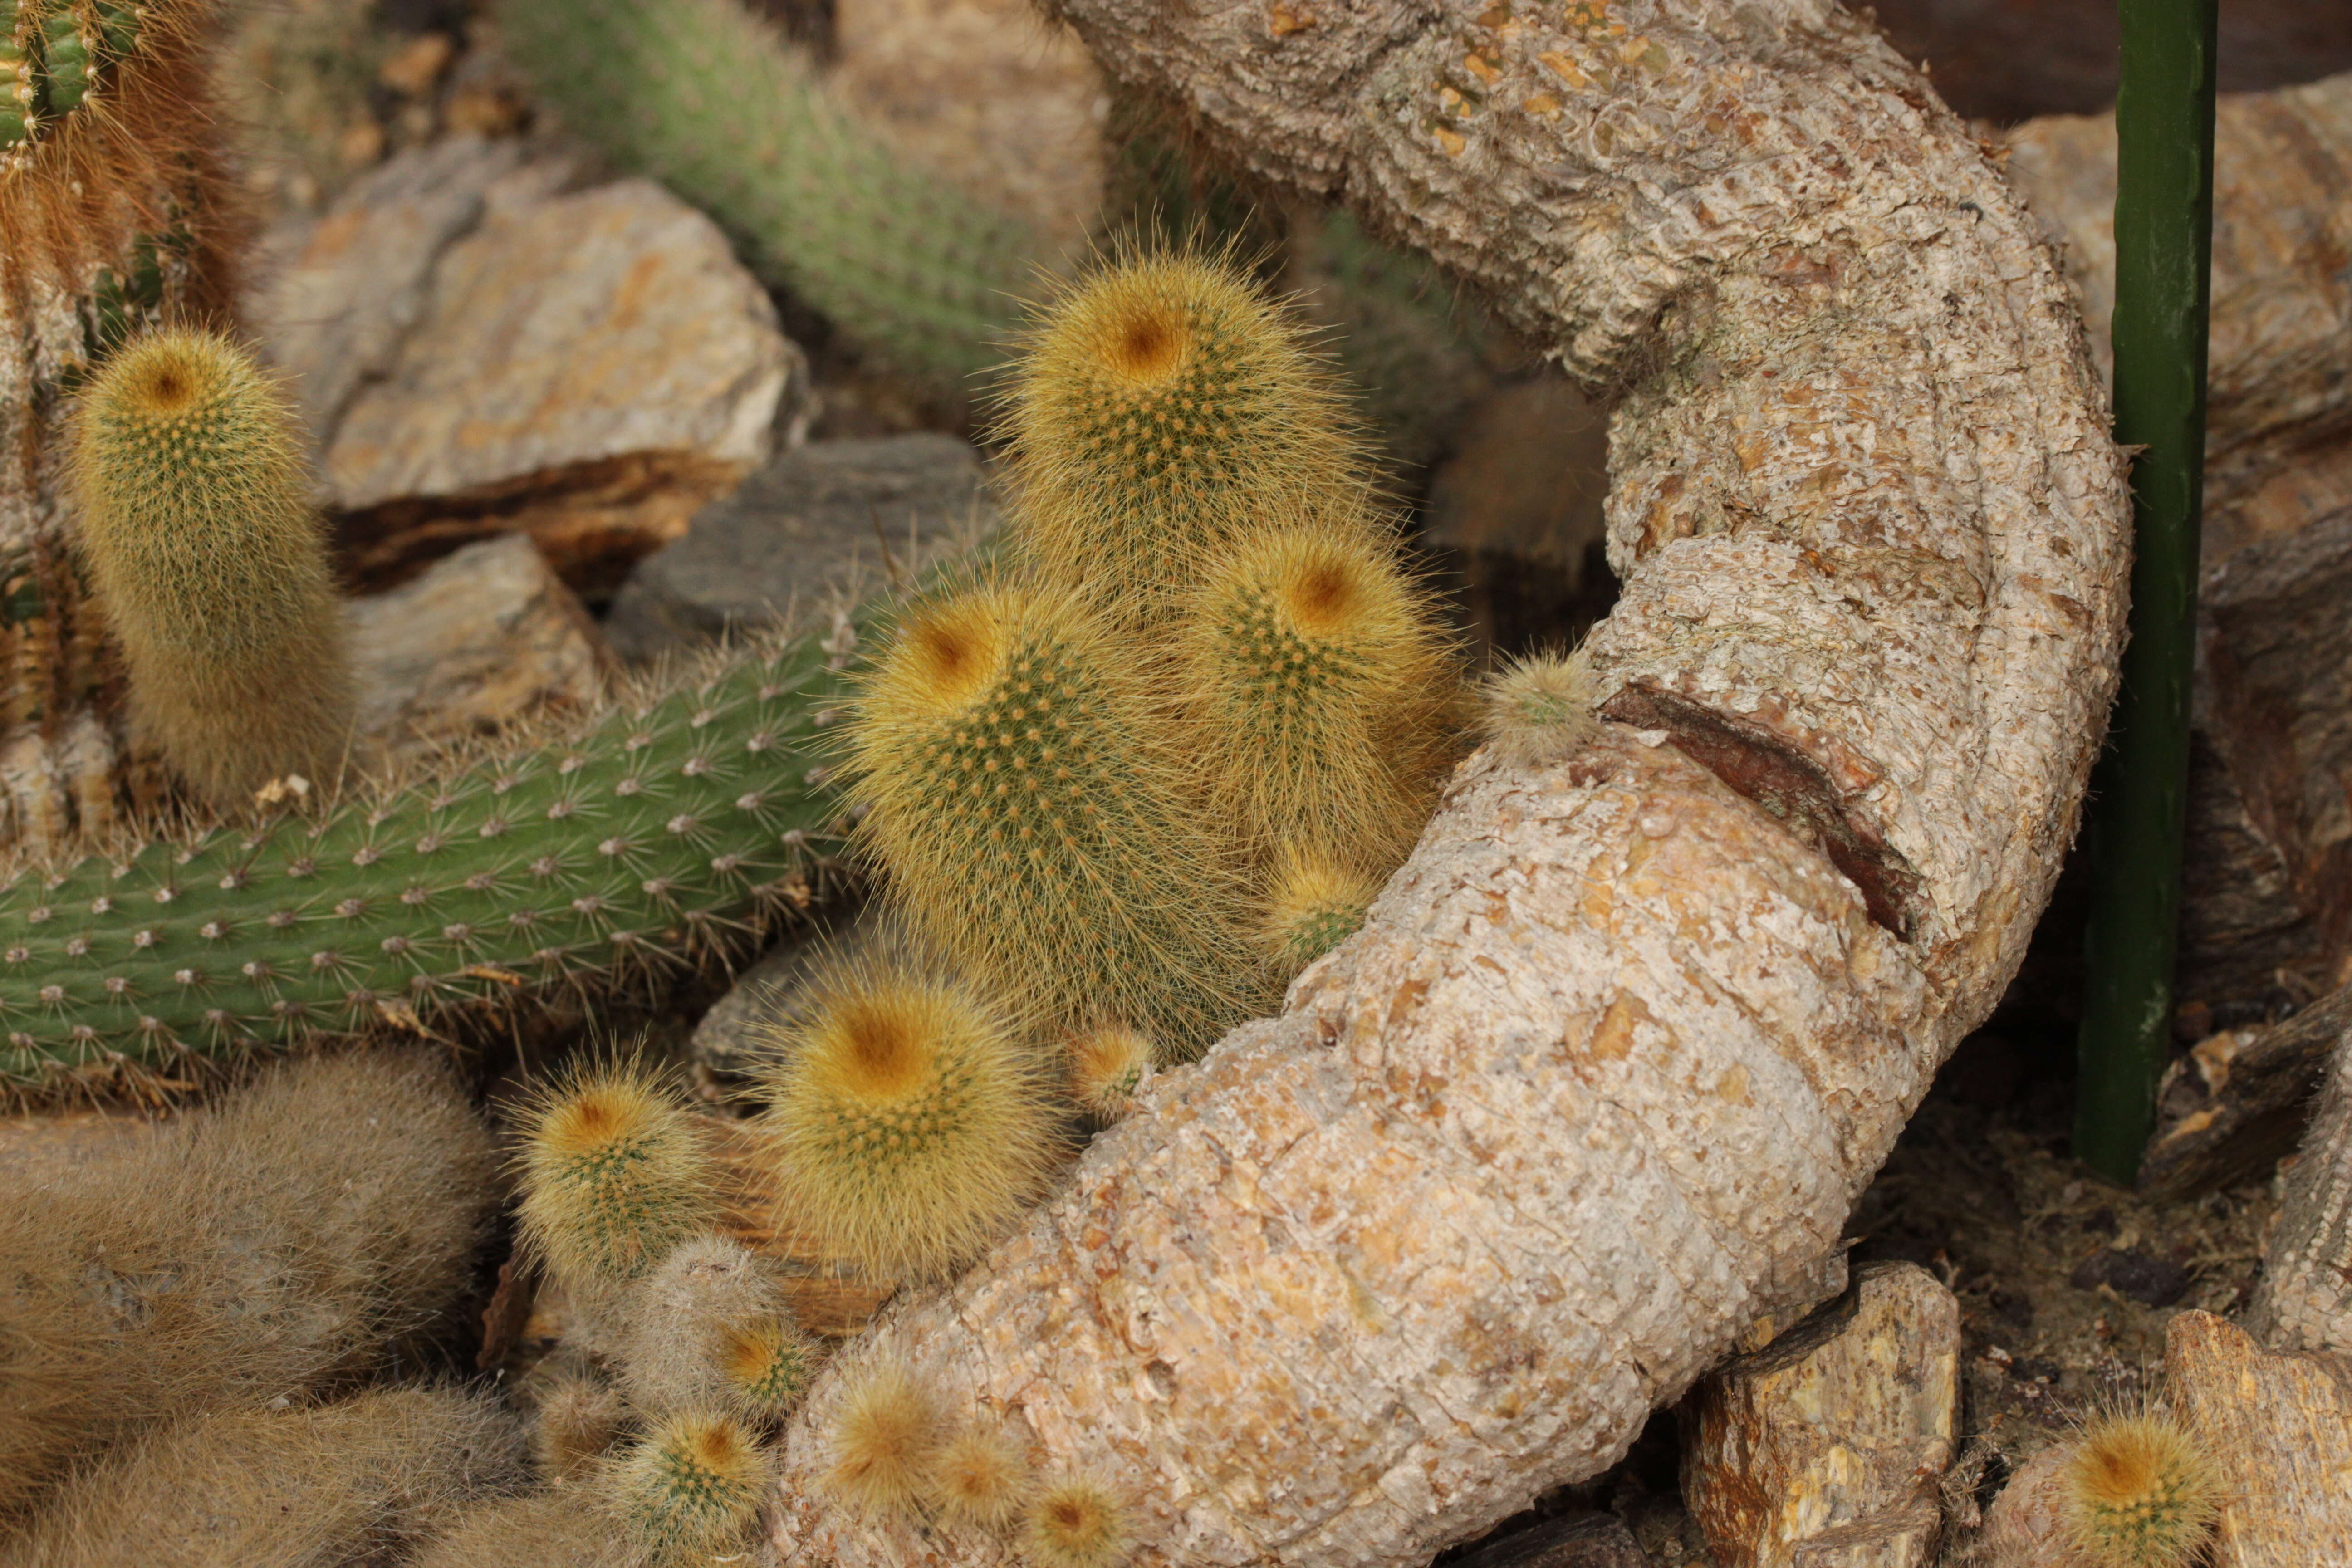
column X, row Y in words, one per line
column 1597, row 1083
column 2304, row 1300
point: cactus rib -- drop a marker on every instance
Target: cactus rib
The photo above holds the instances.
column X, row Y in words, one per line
column 665, row 832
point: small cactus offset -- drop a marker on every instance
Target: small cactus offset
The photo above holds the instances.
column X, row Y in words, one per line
column 2139, row 1491
column 210, row 564
column 670, row 831
column 1314, row 900
column 616, row 1175
column 1161, row 409
column 708, row 1330
column 1078, row 1522
column 886, row 1434
column 1033, row 829
column 711, row 101
column 691, row 1487
column 908, row 1123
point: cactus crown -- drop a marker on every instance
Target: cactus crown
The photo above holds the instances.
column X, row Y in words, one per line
column 1161, row 407
column 616, row 1174
column 2139, row 1491
column 885, row 1438
column 982, row 1479
column 691, row 1486
column 909, row 1124
column 1315, row 902
column 1539, row 709
column 1077, row 1523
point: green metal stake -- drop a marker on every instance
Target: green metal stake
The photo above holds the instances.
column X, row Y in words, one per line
column 2164, row 234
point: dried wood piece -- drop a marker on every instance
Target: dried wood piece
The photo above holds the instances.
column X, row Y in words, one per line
column 1826, row 1446
column 828, row 1293
column 1572, row 1541
column 1616, row 1050
column 2304, row 1300
column 2256, row 1111
column 2279, row 1428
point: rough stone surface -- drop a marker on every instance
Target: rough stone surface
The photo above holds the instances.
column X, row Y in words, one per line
column 1825, row 1447
column 2279, row 1428
column 813, row 524
column 726, row 1039
column 486, row 638
column 605, row 324
column 2305, row 1299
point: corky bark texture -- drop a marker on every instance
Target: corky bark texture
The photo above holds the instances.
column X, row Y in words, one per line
column 2304, row 1300
column 1619, row 1046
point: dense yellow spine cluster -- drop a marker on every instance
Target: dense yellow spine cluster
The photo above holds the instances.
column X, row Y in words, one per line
column 210, row 562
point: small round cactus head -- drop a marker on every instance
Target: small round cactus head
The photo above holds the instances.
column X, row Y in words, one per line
column 2139, row 1491
column 707, row 1330
column 1314, row 901
column 1010, row 749
column 981, row 1480
column 1078, row 1522
column 1109, row 1062
column 615, row 1172
column 908, row 1121
column 885, row 1438
column 211, row 565
column 1163, row 404
column 576, row 1416
column 1309, row 658
column 691, row 1487
column 1539, row 710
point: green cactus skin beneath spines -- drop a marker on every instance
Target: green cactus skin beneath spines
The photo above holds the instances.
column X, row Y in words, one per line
column 54, row 56
column 667, row 833
column 691, row 1487
column 712, row 102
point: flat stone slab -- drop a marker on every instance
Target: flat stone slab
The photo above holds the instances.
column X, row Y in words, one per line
column 813, row 525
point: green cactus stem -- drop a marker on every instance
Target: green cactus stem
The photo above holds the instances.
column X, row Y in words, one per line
column 711, row 101
column 669, row 832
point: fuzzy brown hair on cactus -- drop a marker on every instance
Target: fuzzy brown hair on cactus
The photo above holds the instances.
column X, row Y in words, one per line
column 210, row 564
column 542, row 1530
column 292, row 1236
column 708, row 1330
column 319, row 1486
column 981, row 1480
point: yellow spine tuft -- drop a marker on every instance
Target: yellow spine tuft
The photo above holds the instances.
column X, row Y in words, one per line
column 1008, row 750
column 1310, row 660
column 2139, row 1491
column 1163, row 405
column 1314, row 901
column 1077, row 1523
column 981, row 1480
column 1539, row 710
column 211, row 565
column 691, row 1487
column 885, row 1439
column 1109, row 1062
column 908, row 1125
column 615, row 1172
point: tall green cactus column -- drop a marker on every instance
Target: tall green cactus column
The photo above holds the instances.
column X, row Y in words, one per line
column 2164, row 232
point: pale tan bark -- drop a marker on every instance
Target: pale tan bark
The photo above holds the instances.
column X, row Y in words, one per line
column 1618, row 1046
column 2304, row 1300
column 2279, row 1431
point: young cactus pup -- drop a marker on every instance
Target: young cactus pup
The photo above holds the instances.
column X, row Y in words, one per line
column 708, row 1330
column 2139, row 1491
column 1539, row 710
column 1304, row 650
column 1077, row 1523
column 981, row 1480
column 1109, row 1062
column 210, row 565
column 908, row 1123
column 691, row 1487
column 1164, row 405
column 1314, row 901
column 885, row 1438
column 615, row 1172
column 1033, row 830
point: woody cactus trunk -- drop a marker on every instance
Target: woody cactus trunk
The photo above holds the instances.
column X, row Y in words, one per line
column 1595, row 1086
column 114, row 211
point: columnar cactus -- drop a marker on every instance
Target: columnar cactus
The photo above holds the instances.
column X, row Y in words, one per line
column 210, row 563
column 670, row 831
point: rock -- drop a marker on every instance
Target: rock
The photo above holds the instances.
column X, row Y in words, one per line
column 2025, row 1528
column 482, row 350
column 811, row 524
column 984, row 93
column 2279, row 1429
column 2150, row 1281
column 1516, row 515
column 1572, row 1541
column 1825, row 1447
column 486, row 637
